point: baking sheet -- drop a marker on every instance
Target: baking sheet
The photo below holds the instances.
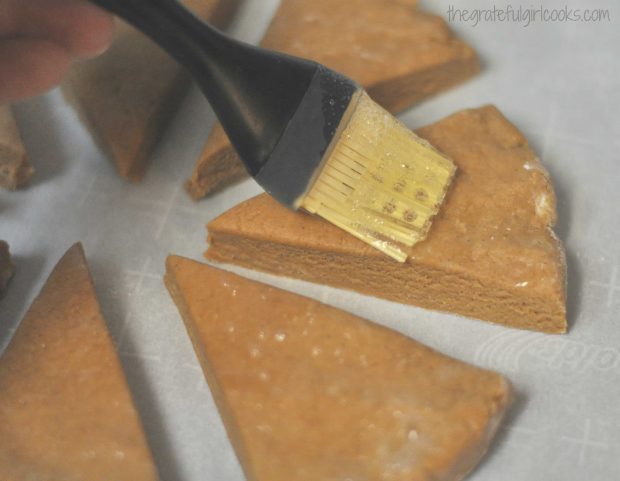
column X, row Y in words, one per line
column 558, row 82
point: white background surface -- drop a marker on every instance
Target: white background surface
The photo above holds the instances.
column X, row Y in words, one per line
column 559, row 83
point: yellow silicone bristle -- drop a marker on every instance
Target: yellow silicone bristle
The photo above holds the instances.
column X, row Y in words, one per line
column 380, row 182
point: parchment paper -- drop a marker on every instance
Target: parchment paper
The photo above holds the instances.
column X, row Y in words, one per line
column 558, row 82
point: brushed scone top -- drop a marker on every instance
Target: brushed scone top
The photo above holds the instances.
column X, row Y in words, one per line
column 491, row 253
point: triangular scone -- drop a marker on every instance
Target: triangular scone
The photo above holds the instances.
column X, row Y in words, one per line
column 399, row 54
column 491, row 253
column 66, row 412
column 309, row 392
column 15, row 171
column 6, row 266
column 127, row 95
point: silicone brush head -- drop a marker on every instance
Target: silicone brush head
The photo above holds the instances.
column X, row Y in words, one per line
column 380, row 182
column 348, row 160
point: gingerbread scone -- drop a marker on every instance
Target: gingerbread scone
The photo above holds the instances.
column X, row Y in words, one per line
column 309, row 392
column 491, row 253
column 15, row 170
column 66, row 412
column 127, row 96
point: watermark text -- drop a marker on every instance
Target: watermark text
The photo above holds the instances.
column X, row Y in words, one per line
column 526, row 16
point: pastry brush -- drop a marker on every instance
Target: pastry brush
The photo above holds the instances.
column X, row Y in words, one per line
column 311, row 137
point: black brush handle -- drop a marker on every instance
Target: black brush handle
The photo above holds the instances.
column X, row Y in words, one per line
column 253, row 91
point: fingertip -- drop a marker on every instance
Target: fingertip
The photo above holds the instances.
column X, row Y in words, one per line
column 30, row 67
column 83, row 29
column 94, row 34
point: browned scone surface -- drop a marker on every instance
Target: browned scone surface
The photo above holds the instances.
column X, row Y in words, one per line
column 6, row 266
column 66, row 412
column 399, row 54
column 309, row 392
column 491, row 253
column 127, row 96
column 15, row 170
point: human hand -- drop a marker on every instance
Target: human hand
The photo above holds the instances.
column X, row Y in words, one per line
column 40, row 38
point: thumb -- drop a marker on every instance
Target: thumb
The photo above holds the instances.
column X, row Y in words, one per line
column 83, row 29
column 30, row 67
